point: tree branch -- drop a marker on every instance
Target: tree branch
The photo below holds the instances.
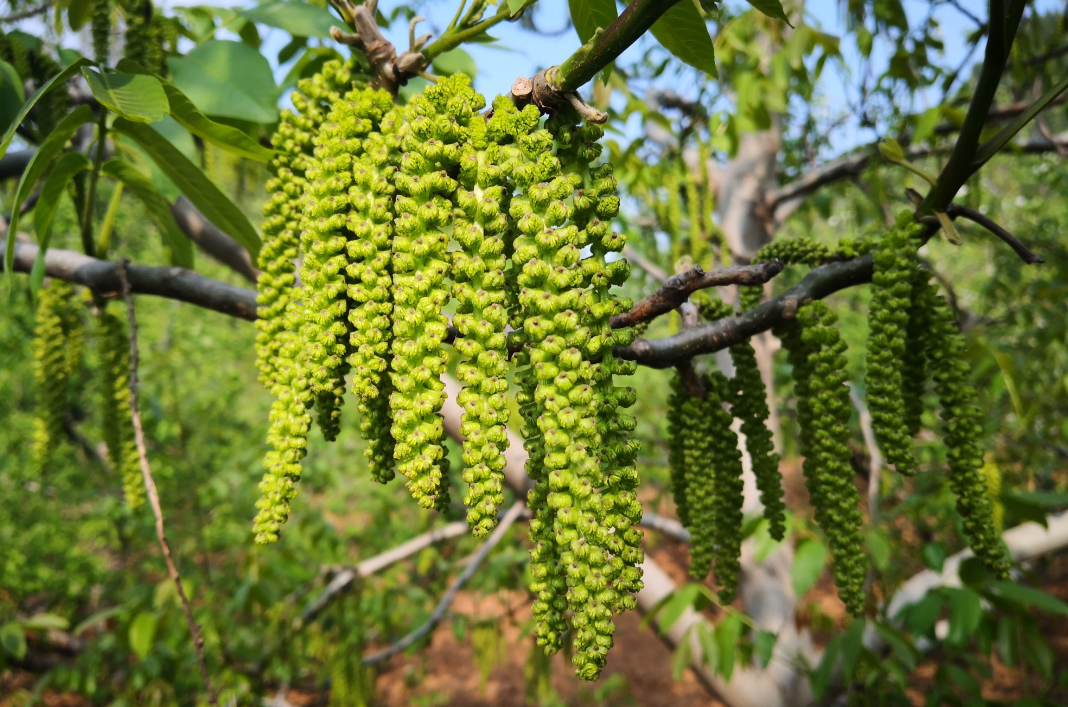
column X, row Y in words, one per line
column 212, row 240
column 510, row 517
column 175, row 283
column 370, row 566
column 153, row 493
column 716, row 336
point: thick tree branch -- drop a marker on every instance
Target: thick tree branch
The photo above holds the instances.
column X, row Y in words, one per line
column 678, row 288
column 174, row 283
column 718, row 335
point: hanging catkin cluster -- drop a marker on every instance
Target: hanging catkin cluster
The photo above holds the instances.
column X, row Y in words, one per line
column 115, row 404
column 396, row 213
column 888, row 313
column 706, row 468
column 56, row 356
column 816, row 351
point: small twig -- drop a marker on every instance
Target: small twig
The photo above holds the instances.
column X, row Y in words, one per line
column 153, row 493
column 678, row 288
column 27, row 13
column 998, row 230
column 668, row 526
column 379, row 562
column 651, row 268
column 513, row 514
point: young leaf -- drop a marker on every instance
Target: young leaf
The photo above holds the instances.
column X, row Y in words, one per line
column 771, row 8
column 13, row 640
column 227, row 79
column 299, row 19
column 727, row 634
column 45, row 621
column 764, row 643
column 456, row 61
column 965, row 612
column 589, row 15
column 683, row 32
column 851, row 647
column 680, row 660
column 143, row 633
column 38, row 163
column 181, row 250
column 821, row 676
column 989, row 148
column 708, row 644
column 136, row 97
column 809, row 559
column 1030, row 597
column 59, row 78
column 52, row 191
column 12, row 93
column 680, row 601
column 193, row 183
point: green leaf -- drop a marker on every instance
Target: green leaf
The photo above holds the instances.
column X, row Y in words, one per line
column 920, row 617
column 225, row 137
column 194, row 184
column 1008, row 645
column 1024, row 508
column 683, row 32
column 52, row 145
column 727, row 634
column 989, row 148
column 878, row 548
column 299, row 19
column 456, row 61
column 59, row 78
column 589, row 15
column 45, row 621
column 821, row 676
column 227, row 79
column 13, row 640
column 1030, row 597
column 78, row 13
column 52, row 191
column 680, row 660
column 809, row 559
column 851, row 647
column 764, row 643
column 680, row 601
column 771, row 8
column 707, row 642
column 965, row 612
column 934, row 554
column 12, row 93
column 514, row 6
column 174, row 240
column 97, row 618
column 136, row 97
column 925, row 124
column 901, row 644
column 143, row 633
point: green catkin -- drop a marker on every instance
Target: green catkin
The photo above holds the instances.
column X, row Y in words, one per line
column 327, row 232
column 563, row 399
column 676, row 428
column 962, row 431
column 726, row 486
column 696, row 235
column 370, row 289
column 15, row 53
column 52, row 369
column 816, row 352
column 293, row 144
column 138, row 36
column 279, row 347
column 425, row 200
column 596, row 204
column 481, row 228
column 54, row 105
column 118, row 422
column 791, row 251
column 895, row 262
column 914, row 358
column 697, row 447
column 100, row 23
